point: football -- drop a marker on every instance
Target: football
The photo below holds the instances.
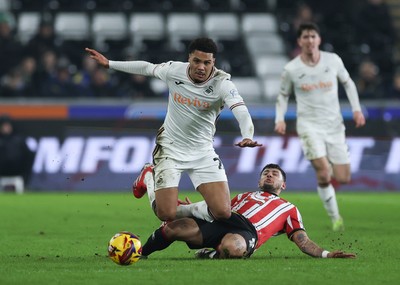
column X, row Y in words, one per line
column 124, row 248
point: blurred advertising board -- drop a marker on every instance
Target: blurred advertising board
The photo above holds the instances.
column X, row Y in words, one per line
column 102, row 147
column 97, row 157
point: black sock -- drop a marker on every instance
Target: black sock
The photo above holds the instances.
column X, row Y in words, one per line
column 155, row 242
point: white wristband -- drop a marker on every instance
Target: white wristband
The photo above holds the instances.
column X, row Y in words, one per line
column 325, row 254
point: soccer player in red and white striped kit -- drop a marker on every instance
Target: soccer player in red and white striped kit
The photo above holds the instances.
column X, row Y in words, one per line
column 257, row 216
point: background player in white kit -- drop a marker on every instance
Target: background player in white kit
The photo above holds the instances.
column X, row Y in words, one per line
column 198, row 92
column 313, row 78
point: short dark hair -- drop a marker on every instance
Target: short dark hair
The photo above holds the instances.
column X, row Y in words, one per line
column 203, row 44
column 275, row 166
column 307, row 27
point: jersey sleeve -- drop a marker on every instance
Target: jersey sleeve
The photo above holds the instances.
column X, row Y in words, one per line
column 230, row 94
column 342, row 73
column 134, row 67
column 294, row 222
column 286, row 83
column 282, row 100
column 161, row 70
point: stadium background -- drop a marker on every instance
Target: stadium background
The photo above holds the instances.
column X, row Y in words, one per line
column 92, row 129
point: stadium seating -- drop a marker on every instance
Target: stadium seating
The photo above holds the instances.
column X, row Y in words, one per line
column 243, row 29
column 271, row 86
column 249, row 88
column 109, row 27
column 72, row 25
column 28, row 25
column 183, row 27
column 146, row 26
column 258, row 24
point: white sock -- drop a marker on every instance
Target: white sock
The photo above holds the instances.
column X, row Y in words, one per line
column 149, row 181
column 198, row 210
column 328, row 197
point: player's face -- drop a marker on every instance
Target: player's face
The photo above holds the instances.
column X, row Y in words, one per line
column 271, row 180
column 309, row 41
column 201, row 65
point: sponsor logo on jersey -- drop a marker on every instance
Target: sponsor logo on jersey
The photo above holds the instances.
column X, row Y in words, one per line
column 307, row 87
column 195, row 102
column 179, row 82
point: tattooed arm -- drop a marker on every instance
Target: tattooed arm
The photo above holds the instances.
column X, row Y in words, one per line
column 306, row 245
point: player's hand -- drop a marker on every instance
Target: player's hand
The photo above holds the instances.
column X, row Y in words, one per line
column 359, row 119
column 247, row 143
column 341, row 254
column 184, row 202
column 280, row 127
column 101, row 59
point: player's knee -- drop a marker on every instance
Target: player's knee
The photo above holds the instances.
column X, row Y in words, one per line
column 166, row 214
column 172, row 230
column 222, row 214
column 232, row 247
column 343, row 179
column 324, row 177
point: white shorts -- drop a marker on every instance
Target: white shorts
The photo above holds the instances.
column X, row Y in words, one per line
column 167, row 170
column 320, row 142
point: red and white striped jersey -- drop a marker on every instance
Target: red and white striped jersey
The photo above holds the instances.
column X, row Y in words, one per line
column 269, row 214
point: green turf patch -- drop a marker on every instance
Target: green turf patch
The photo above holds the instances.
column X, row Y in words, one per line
column 49, row 238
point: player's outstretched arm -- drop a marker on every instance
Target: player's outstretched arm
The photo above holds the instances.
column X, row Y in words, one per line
column 306, row 245
column 101, row 59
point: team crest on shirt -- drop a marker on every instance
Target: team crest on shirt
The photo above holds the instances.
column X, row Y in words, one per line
column 209, row 90
column 233, row 92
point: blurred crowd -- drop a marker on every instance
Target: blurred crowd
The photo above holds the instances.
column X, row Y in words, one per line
column 361, row 32
column 45, row 68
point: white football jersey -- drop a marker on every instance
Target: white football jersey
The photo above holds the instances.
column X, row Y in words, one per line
column 315, row 89
column 193, row 109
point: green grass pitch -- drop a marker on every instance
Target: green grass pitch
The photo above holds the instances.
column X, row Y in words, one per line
column 48, row 238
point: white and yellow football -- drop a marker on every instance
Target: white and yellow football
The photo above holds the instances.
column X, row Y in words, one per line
column 124, row 248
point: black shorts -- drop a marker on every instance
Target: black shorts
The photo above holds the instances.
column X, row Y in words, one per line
column 215, row 231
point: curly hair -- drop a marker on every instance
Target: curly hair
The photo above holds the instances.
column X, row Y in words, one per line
column 203, row 44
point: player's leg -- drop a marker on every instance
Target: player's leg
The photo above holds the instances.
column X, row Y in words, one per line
column 185, row 230
column 325, row 189
column 314, row 144
column 234, row 240
column 198, row 210
column 342, row 173
column 209, row 178
column 144, row 183
column 338, row 155
column 232, row 246
column 165, row 203
column 167, row 175
column 217, row 197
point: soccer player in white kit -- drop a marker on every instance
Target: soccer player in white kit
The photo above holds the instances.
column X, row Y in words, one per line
column 313, row 78
column 198, row 92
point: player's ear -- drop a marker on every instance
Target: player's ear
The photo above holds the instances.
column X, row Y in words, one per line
column 283, row 187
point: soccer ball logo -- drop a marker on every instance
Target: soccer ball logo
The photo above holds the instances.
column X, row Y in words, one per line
column 124, row 248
